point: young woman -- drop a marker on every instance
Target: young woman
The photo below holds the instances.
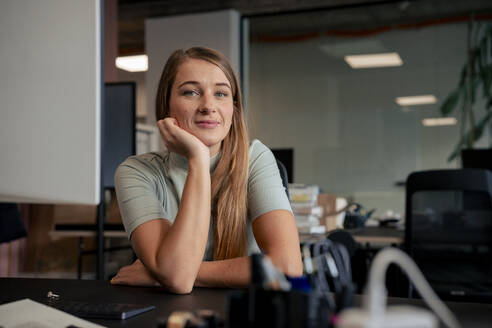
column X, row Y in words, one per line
column 195, row 211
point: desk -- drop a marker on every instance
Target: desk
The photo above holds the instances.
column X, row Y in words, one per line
column 378, row 235
column 12, row 289
column 367, row 235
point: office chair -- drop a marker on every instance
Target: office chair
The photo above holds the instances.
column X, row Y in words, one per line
column 449, row 231
column 284, row 176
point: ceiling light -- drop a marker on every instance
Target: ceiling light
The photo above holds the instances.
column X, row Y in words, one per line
column 374, row 60
column 416, row 100
column 138, row 63
column 440, row 121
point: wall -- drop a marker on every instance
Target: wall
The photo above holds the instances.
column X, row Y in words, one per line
column 348, row 134
column 141, row 101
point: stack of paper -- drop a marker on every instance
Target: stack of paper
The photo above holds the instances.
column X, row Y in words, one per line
column 304, row 204
column 28, row 313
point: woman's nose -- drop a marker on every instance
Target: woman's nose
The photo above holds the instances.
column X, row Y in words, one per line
column 207, row 103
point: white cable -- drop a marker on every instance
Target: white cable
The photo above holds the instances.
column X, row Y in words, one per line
column 375, row 302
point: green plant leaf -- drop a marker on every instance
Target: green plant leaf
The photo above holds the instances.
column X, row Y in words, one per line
column 465, row 141
column 456, row 152
column 483, row 65
column 475, row 83
column 476, row 72
column 486, row 77
column 464, row 72
column 451, row 101
column 480, row 126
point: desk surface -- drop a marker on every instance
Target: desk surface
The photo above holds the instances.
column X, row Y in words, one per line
column 378, row 235
column 11, row 289
column 368, row 235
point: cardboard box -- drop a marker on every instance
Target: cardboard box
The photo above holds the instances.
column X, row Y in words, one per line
column 331, row 204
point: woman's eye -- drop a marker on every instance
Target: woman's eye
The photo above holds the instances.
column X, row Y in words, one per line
column 190, row 93
column 221, row 94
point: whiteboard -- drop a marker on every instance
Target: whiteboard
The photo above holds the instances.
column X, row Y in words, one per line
column 50, row 101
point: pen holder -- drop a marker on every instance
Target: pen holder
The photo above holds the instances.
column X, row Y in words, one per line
column 260, row 308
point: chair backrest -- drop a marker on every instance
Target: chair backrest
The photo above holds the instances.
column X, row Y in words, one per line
column 449, row 231
column 283, row 175
column 345, row 238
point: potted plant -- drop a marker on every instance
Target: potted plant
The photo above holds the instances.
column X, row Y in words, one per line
column 475, row 81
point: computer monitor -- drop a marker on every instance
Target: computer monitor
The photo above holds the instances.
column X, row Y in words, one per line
column 118, row 139
column 286, row 156
column 476, row 159
column 50, row 100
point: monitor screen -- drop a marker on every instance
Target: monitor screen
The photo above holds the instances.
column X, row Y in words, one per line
column 286, row 156
column 118, row 140
column 476, row 159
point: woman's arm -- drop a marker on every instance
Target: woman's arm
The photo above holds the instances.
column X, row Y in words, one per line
column 173, row 253
column 275, row 233
column 277, row 236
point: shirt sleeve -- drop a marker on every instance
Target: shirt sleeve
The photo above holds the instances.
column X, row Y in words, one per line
column 137, row 193
column 265, row 189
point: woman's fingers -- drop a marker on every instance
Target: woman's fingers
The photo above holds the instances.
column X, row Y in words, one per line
column 135, row 275
column 181, row 141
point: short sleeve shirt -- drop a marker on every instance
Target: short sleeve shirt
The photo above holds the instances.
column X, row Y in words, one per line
column 150, row 186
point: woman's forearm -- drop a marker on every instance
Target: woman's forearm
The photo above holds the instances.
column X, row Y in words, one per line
column 236, row 272
column 233, row 273
column 180, row 253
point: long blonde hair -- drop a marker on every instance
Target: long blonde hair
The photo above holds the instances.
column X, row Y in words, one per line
column 230, row 176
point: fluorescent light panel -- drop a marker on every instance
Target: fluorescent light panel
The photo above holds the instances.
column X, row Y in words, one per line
column 138, row 63
column 416, row 100
column 439, row 121
column 388, row 59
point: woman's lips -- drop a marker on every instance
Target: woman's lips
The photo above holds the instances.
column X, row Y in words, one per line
column 207, row 124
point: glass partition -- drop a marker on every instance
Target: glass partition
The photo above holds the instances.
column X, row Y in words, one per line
column 349, row 133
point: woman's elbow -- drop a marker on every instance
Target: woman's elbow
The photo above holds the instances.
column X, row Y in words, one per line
column 289, row 265
column 177, row 285
column 293, row 269
column 181, row 289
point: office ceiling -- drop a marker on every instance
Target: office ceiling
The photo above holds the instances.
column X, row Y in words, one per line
column 282, row 17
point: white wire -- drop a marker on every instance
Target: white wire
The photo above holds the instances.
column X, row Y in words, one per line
column 376, row 294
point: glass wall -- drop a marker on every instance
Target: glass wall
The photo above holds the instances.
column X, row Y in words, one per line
column 349, row 134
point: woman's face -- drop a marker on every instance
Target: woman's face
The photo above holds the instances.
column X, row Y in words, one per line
column 201, row 101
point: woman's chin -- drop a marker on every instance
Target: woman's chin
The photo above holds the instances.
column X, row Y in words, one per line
column 209, row 141
column 213, row 145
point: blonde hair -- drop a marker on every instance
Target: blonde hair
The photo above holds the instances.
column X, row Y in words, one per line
column 230, row 176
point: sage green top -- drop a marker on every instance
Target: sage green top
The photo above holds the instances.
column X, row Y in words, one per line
column 149, row 186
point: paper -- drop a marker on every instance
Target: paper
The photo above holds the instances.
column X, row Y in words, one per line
column 27, row 313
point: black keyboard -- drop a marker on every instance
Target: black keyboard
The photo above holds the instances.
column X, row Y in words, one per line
column 100, row 310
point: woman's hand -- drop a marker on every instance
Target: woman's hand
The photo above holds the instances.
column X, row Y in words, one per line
column 134, row 275
column 180, row 141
